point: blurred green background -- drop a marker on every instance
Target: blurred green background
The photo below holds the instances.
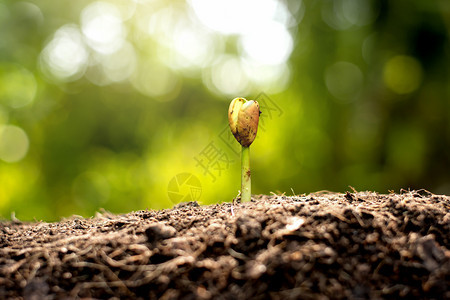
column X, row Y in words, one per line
column 103, row 104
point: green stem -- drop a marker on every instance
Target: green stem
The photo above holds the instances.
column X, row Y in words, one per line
column 246, row 182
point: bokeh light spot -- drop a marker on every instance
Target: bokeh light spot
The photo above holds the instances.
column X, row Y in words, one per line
column 156, row 81
column 65, row 56
column 29, row 12
column 270, row 78
column 271, row 44
column 164, row 21
column 102, row 26
column 343, row 80
column 343, row 14
column 186, row 44
column 14, row 143
column 402, row 74
column 333, row 16
column 358, row 12
column 121, row 64
column 228, row 77
column 234, row 16
column 114, row 67
column 193, row 46
column 17, row 85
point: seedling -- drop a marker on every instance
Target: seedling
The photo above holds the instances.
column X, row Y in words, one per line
column 243, row 117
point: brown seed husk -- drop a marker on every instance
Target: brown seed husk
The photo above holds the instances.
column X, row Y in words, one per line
column 243, row 117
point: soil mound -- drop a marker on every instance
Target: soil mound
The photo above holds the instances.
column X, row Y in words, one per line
column 318, row 246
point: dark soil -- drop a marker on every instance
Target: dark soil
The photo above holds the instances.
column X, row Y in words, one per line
column 324, row 245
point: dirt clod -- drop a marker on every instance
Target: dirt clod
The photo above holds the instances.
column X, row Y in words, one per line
column 320, row 246
column 157, row 232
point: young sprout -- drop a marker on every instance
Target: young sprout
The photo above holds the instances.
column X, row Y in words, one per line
column 243, row 117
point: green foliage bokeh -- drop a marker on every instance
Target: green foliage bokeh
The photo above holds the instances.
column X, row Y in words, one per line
column 362, row 100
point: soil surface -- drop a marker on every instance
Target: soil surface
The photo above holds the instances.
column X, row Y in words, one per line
column 324, row 245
